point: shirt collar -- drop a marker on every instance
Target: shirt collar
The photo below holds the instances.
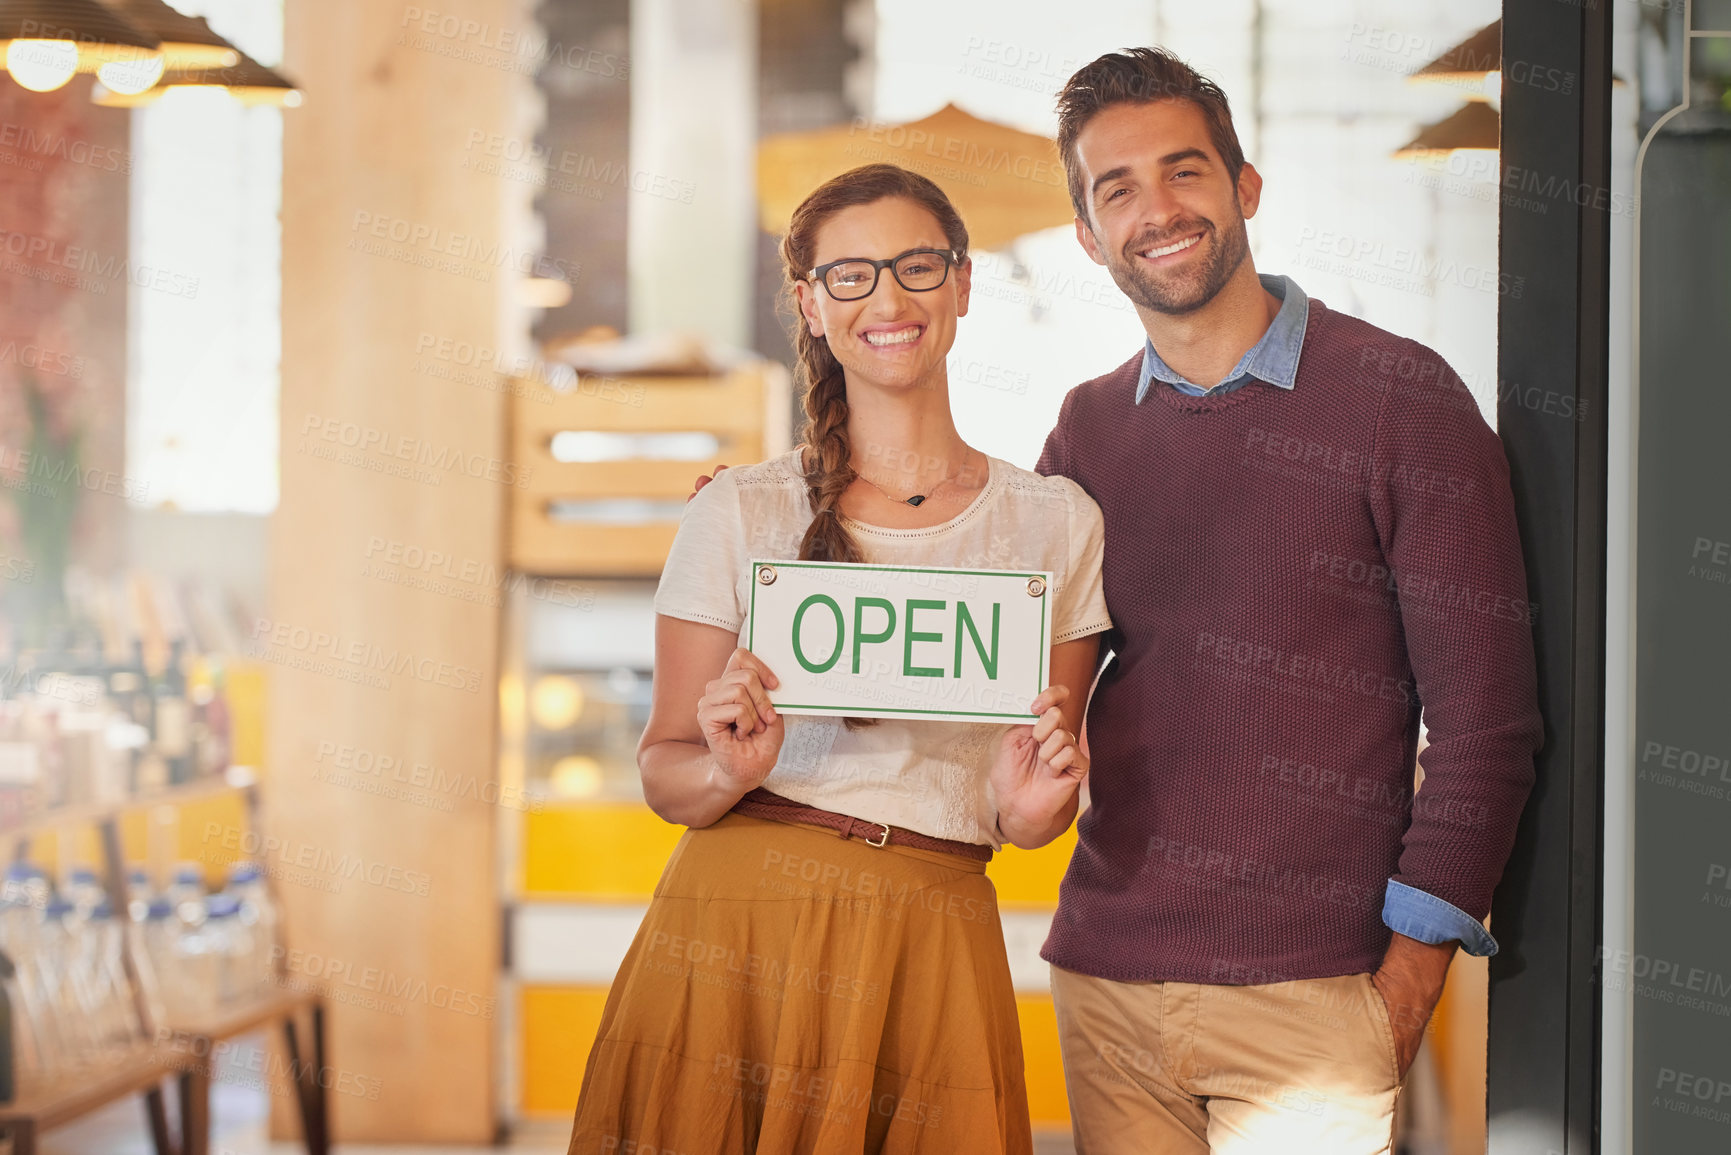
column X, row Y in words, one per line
column 1273, row 359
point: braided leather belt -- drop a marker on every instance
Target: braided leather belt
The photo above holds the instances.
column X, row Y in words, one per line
column 761, row 803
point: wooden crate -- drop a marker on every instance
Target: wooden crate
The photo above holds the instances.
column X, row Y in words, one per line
column 731, row 407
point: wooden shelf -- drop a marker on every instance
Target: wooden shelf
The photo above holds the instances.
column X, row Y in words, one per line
column 248, row 1016
column 92, row 813
column 42, row 1105
column 183, row 1050
column 736, row 407
column 67, row 1095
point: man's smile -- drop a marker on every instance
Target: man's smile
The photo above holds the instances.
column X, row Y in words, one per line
column 1172, row 249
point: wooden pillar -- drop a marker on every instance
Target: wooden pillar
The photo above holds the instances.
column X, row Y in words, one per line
column 400, row 262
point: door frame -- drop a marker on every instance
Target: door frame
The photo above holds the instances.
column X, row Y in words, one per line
column 1543, row 1074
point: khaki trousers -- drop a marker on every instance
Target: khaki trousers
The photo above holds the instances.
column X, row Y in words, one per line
column 1184, row 1068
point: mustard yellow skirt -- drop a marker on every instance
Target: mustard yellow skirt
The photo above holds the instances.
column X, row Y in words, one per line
column 791, row 991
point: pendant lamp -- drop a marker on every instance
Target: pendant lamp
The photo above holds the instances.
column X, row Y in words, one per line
column 43, row 42
column 247, row 81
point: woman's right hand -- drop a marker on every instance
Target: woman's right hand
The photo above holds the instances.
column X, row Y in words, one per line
column 742, row 727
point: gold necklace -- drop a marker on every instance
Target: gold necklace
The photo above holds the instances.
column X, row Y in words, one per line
column 917, row 499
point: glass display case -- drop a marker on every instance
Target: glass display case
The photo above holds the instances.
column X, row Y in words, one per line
column 575, row 688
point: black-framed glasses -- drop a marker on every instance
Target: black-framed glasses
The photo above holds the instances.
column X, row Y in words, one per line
column 917, row 271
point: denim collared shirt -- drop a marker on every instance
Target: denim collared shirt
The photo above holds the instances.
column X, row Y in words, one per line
column 1273, row 360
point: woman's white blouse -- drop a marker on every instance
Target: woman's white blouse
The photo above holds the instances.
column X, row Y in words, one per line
column 924, row 775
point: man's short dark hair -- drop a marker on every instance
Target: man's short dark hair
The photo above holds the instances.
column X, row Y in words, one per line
column 1140, row 76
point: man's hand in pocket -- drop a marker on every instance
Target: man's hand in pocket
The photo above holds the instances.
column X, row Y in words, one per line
column 1410, row 981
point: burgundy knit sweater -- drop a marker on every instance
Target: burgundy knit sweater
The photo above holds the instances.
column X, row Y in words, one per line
column 1291, row 574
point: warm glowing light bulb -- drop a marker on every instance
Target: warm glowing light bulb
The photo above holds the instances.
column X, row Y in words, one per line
column 555, row 702
column 131, row 77
column 41, row 65
column 576, row 776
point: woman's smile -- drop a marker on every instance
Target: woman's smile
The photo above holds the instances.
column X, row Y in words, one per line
column 896, row 336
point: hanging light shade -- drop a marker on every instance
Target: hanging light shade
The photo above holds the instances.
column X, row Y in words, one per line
column 247, row 81
column 1474, row 126
column 1005, row 182
column 187, row 41
column 43, row 42
column 1474, row 65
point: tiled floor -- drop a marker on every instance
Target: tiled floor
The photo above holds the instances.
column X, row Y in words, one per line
column 238, row 1127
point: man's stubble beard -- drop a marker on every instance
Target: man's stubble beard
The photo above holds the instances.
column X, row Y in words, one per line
column 1191, row 292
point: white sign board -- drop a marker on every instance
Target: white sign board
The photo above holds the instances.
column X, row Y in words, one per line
column 874, row 641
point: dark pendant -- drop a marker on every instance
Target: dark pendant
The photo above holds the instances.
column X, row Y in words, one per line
column 915, row 499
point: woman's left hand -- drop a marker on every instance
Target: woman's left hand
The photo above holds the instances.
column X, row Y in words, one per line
column 1039, row 766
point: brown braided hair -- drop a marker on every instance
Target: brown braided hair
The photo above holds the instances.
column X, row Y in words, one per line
column 826, row 457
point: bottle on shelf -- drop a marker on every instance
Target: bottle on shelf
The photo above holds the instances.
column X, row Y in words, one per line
column 215, row 725
column 84, row 891
column 246, row 882
column 42, row 728
column 173, row 717
column 115, row 1013
column 26, row 886
column 20, row 771
column 125, row 684
column 62, row 971
column 186, row 892
column 36, row 1036
column 230, row 945
column 139, row 892
column 193, row 960
column 141, row 702
column 151, row 933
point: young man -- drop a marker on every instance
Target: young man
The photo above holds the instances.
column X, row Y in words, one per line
column 1309, row 536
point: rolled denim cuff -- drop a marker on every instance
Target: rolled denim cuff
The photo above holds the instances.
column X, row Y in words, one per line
column 1428, row 918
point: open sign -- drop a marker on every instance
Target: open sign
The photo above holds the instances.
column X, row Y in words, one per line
column 874, row 641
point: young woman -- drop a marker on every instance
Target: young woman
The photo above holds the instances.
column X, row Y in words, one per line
column 822, row 968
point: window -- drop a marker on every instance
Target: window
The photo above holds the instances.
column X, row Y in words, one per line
column 205, row 330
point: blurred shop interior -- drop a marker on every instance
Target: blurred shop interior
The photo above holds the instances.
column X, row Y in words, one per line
column 353, row 376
